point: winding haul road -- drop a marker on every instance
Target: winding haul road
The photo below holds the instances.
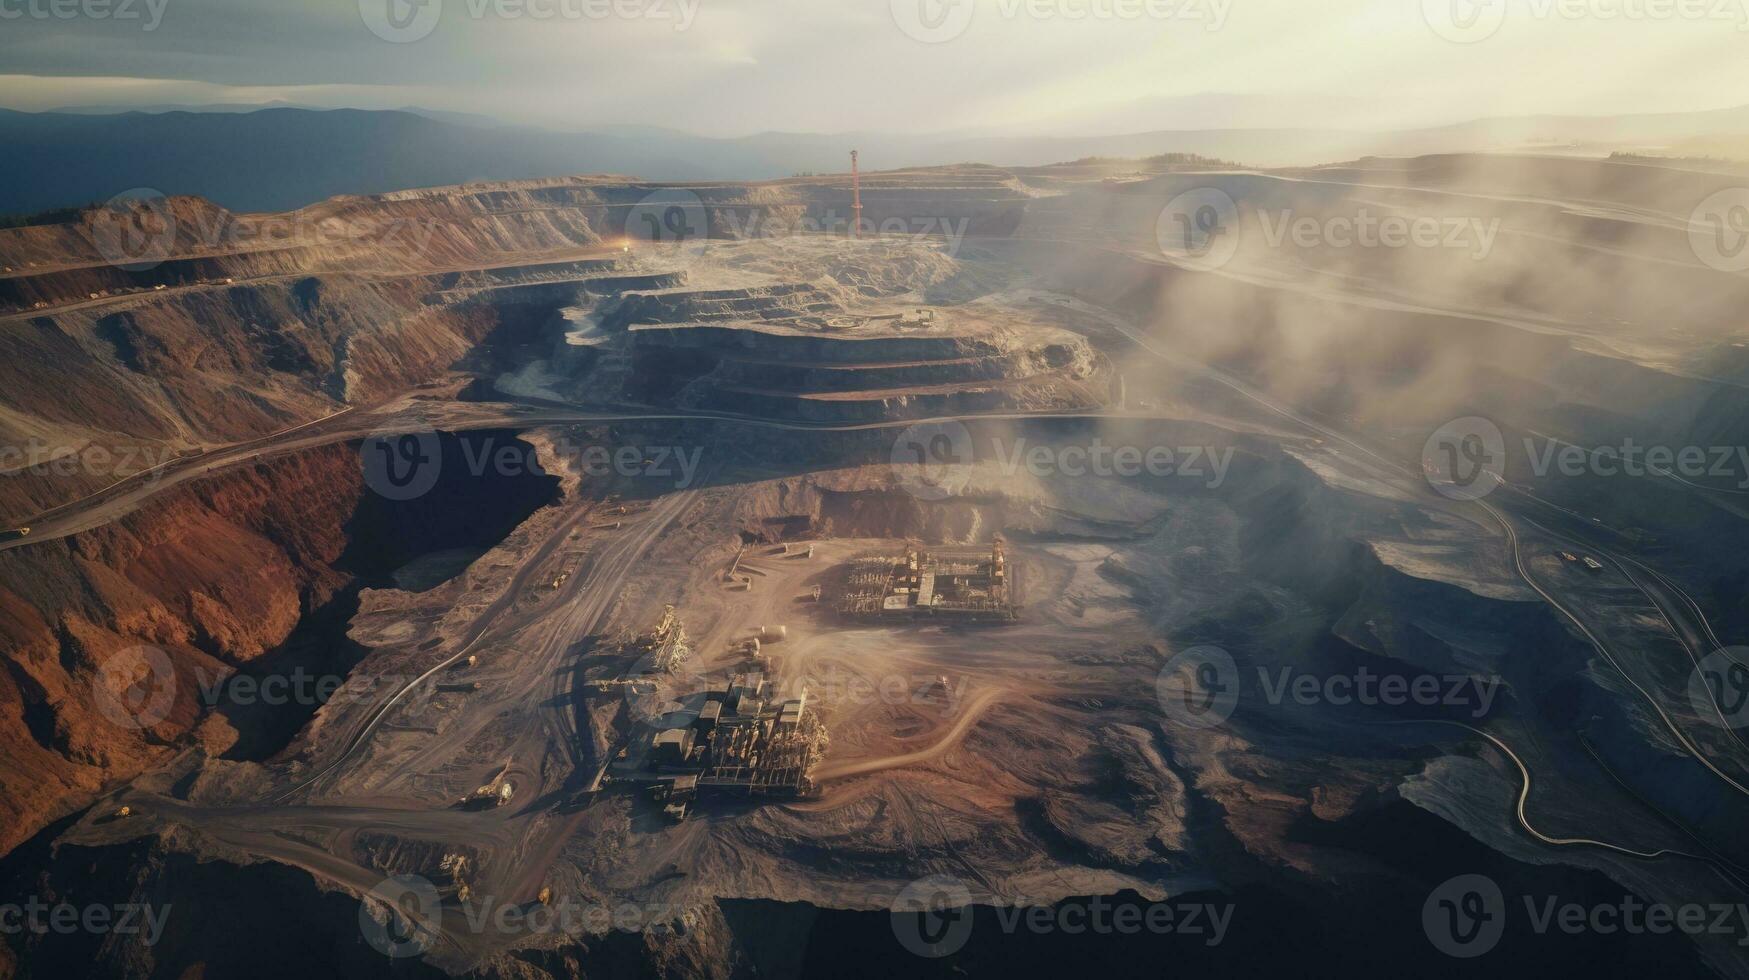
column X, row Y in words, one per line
column 131, row 493
column 1146, row 343
column 128, row 495
column 516, row 847
column 589, row 598
column 969, row 716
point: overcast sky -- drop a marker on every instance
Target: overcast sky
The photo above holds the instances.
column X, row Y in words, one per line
column 731, row 67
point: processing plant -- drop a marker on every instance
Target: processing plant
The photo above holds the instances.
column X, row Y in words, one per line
column 953, row 583
column 739, row 739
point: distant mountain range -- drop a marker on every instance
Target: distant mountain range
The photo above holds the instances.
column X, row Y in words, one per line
column 280, row 157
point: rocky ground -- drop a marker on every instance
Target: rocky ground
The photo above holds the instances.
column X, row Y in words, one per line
column 1030, row 764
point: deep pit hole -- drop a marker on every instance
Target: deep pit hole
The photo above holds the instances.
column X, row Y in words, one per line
column 488, row 482
column 415, row 544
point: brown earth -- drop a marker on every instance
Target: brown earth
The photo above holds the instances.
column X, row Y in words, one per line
column 214, row 575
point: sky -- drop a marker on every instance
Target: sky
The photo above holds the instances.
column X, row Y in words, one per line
column 735, row 67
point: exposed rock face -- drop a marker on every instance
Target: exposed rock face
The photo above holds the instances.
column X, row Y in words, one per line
column 1300, row 563
column 787, row 375
column 209, row 577
column 171, row 375
column 234, row 326
column 813, row 352
column 214, row 575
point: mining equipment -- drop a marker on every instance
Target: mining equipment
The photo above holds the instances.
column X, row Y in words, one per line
column 666, row 645
column 669, row 640
column 772, row 634
column 453, row 867
column 545, row 897
column 1568, row 556
column 495, row 793
column 632, row 685
column 14, row 534
column 126, row 811
column 1592, row 564
column 734, row 569
column 677, row 795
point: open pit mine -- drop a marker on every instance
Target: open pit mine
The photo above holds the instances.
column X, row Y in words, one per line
column 593, row 577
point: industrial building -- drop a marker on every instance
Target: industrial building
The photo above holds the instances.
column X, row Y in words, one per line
column 954, row 583
column 742, row 741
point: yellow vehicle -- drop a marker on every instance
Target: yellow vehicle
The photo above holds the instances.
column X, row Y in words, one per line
column 14, row 534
